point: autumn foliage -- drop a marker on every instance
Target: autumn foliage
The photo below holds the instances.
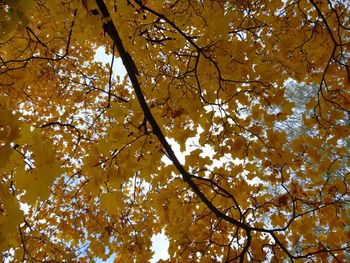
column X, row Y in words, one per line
column 255, row 94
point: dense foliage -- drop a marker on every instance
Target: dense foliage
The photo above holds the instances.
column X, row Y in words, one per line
column 255, row 93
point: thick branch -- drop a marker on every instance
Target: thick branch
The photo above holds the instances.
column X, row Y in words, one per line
column 132, row 71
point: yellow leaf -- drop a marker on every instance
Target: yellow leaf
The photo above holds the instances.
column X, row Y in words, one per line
column 111, row 201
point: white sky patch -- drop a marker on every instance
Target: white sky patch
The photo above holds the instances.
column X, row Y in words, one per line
column 24, row 207
column 192, row 144
column 118, row 67
column 109, row 260
column 176, row 148
column 160, row 246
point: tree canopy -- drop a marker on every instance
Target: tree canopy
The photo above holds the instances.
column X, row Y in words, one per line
column 255, row 93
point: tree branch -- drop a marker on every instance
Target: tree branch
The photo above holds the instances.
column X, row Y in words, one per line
column 132, row 71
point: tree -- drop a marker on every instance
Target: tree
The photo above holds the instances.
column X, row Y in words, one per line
column 262, row 84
